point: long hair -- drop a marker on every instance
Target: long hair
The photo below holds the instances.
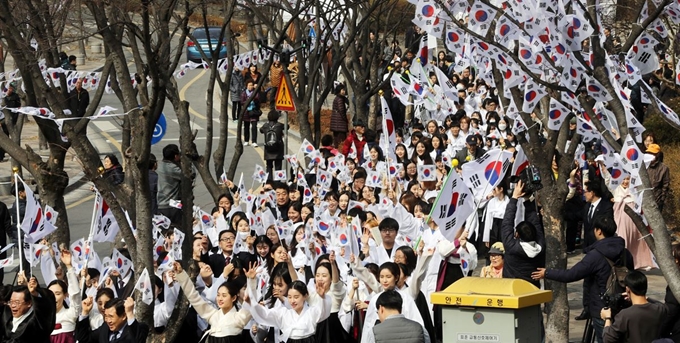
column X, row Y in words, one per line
column 280, row 271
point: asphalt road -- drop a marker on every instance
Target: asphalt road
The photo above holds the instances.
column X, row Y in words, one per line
column 192, row 87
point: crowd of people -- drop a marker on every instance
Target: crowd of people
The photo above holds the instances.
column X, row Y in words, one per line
column 330, row 255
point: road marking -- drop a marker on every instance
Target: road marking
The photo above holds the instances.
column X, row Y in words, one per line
column 194, row 126
column 105, row 126
column 183, row 91
column 182, row 96
column 80, row 202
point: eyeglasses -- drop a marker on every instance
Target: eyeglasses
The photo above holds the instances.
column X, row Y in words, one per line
column 15, row 302
column 227, row 239
column 388, row 230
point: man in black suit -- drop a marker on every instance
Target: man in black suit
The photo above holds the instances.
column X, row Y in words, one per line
column 219, row 260
column 119, row 325
column 596, row 206
column 123, row 285
column 29, row 316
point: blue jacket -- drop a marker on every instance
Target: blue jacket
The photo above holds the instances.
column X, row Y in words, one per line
column 595, row 266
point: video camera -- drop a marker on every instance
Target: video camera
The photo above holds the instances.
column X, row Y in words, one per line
column 531, row 178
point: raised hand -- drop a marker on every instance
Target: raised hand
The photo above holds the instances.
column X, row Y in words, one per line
column 177, row 267
column 320, row 289
column 355, row 283
column 252, row 270
column 518, row 192
column 33, row 285
column 227, row 270
column 87, row 306
column 21, row 278
column 130, row 307
column 66, row 259
column 250, row 240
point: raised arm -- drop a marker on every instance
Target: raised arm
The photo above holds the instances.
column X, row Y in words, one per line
column 203, row 308
column 364, row 275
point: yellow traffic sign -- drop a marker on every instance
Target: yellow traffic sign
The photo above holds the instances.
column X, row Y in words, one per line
column 284, row 101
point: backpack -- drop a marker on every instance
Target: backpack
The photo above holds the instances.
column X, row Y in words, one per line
column 272, row 143
column 615, row 281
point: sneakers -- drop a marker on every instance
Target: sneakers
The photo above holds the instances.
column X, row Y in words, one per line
column 246, row 144
column 254, row 145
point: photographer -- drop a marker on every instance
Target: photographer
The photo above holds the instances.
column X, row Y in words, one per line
column 525, row 243
column 637, row 323
column 594, row 267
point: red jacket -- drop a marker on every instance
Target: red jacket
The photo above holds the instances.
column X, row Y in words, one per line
column 357, row 142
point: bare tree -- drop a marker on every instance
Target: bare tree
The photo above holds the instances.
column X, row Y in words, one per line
column 541, row 154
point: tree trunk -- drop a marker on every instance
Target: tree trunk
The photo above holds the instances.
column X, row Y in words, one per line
column 303, row 122
column 557, row 323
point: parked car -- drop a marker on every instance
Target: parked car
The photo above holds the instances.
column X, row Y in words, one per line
column 206, row 40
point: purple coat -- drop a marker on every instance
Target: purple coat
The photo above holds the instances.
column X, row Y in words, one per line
column 255, row 113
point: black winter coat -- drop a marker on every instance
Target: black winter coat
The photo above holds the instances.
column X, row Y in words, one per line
column 517, row 263
column 278, row 127
column 78, row 102
column 595, row 266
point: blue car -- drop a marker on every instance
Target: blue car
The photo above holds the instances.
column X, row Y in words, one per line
column 206, row 41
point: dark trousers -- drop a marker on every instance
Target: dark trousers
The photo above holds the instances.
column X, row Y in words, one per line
column 2, row 151
column 572, row 232
column 586, row 292
column 339, row 139
column 598, row 329
column 271, row 164
column 250, row 129
column 174, row 214
column 235, row 109
column 272, row 97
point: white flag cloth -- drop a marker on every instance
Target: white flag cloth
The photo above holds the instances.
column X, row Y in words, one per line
column 7, row 261
column 556, row 115
column 427, row 172
column 453, row 205
column 521, row 162
column 106, row 226
column 280, row 175
column 120, row 262
column 642, row 54
column 143, row 285
column 486, row 172
column 481, row 16
column 631, row 156
column 33, row 221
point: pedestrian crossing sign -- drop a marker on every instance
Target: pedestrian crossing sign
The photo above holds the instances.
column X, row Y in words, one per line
column 284, row 100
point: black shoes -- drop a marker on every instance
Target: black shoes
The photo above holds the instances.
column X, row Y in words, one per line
column 585, row 314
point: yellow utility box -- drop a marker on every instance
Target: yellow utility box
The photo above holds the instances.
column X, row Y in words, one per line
column 478, row 309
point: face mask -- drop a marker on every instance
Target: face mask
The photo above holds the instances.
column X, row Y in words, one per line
column 241, row 236
column 502, row 126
